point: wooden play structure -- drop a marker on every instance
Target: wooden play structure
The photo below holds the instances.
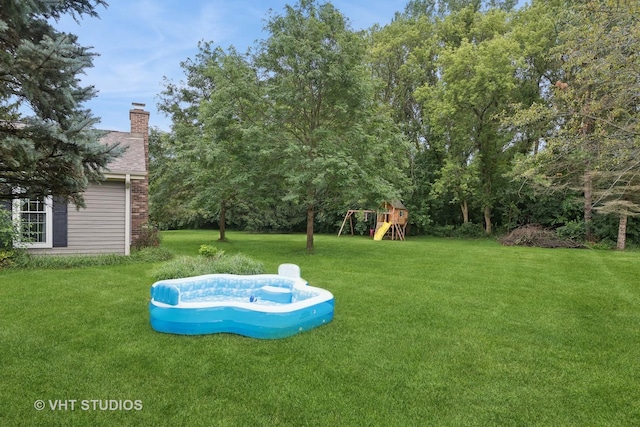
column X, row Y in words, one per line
column 390, row 221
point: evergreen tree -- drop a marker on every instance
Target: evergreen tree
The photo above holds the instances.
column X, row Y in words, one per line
column 48, row 145
column 592, row 111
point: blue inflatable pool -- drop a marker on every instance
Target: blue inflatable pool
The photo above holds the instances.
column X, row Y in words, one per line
column 264, row 306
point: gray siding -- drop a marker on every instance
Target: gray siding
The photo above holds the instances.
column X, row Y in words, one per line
column 100, row 227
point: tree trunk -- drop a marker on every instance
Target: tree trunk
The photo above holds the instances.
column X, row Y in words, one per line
column 465, row 211
column 588, row 196
column 223, row 221
column 536, row 146
column 487, row 220
column 310, row 218
column 622, row 232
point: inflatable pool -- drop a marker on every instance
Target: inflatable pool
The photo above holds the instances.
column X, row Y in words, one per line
column 260, row 306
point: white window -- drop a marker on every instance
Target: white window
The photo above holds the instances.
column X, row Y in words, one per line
column 34, row 218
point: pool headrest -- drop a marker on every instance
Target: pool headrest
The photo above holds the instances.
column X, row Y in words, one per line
column 289, row 270
column 165, row 293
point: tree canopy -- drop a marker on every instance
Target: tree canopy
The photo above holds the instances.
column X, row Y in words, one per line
column 296, row 123
column 335, row 143
column 48, row 144
column 469, row 111
column 595, row 145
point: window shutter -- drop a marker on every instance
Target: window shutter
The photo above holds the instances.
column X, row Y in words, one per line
column 59, row 222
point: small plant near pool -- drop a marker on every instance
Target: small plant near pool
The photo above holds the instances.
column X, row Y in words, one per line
column 209, row 251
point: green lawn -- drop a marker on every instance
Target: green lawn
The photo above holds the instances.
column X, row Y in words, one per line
column 426, row 332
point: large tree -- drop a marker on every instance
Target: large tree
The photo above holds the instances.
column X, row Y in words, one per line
column 478, row 79
column 218, row 122
column 335, row 140
column 595, row 107
column 169, row 189
column 48, row 145
column 233, row 119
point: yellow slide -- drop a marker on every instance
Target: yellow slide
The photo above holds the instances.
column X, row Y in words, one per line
column 382, row 231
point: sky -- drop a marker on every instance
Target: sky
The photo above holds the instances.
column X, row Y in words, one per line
column 140, row 42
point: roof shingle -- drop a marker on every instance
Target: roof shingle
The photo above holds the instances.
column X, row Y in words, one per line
column 133, row 158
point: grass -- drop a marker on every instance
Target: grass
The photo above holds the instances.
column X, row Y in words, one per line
column 24, row 260
column 426, row 332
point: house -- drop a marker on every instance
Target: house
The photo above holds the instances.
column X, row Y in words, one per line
column 116, row 209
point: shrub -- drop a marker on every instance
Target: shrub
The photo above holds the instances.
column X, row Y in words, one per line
column 186, row 266
column 149, row 237
column 573, row 230
column 441, row 230
column 10, row 256
column 8, row 230
column 6, row 258
column 239, row 264
column 469, row 230
column 182, row 266
column 208, row 251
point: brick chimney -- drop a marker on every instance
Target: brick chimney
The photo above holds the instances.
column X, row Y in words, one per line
column 140, row 187
column 140, row 127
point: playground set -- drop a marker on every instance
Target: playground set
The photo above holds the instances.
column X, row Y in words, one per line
column 391, row 221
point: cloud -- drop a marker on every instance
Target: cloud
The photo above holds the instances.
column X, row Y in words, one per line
column 141, row 41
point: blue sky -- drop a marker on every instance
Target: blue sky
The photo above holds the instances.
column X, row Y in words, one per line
column 141, row 41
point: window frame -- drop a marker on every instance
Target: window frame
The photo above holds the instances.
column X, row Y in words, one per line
column 48, row 212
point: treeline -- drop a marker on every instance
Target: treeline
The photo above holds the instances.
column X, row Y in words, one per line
column 480, row 117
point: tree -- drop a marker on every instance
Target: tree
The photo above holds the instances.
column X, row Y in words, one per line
column 230, row 150
column 52, row 149
column 536, row 29
column 445, row 7
column 217, row 122
column 336, row 142
column 601, row 60
column 402, row 58
column 618, row 195
column 169, row 190
column 478, row 68
column 595, row 110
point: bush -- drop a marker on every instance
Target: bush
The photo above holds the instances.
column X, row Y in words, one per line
column 537, row 236
column 8, row 230
column 239, row 264
column 208, row 251
column 441, row 230
column 573, row 230
column 186, row 266
column 6, row 258
column 149, row 237
column 469, row 230
column 9, row 233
